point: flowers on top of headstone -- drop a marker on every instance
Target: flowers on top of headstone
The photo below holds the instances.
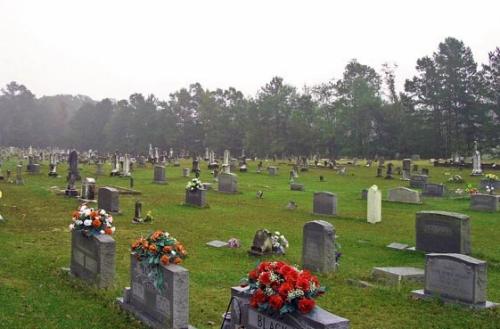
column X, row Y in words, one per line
column 92, row 221
column 471, row 189
column 490, row 189
column 158, row 248
column 194, row 185
column 233, row 243
column 491, row 177
column 279, row 288
column 280, row 243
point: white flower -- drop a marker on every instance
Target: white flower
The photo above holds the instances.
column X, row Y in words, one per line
column 102, row 212
column 108, row 225
column 78, row 222
column 174, row 253
column 71, row 227
column 277, row 233
column 101, row 231
column 166, row 234
column 87, row 222
column 113, row 229
column 87, row 212
column 110, row 219
column 82, row 208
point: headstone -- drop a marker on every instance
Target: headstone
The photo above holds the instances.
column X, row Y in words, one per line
column 379, row 171
column 71, row 189
column 296, row 187
column 126, row 166
column 196, row 198
column 137, row 212
column 228, row 183
column 374, row 205
column 415, row 167
column 388, row 174
column 318, row 247
column 418, row 181
column 406, row 169
column 262, row 244
column 88, row 189
column 272, row 170
column 437, row 190
column 441, row 231
column 109, row 199
column 364, row 194
column 455, row 278
column 404, row 195
column 415, row 157
column 425, row 171
column 159, row 174
column 485, row 202
column 396, row 275
column 99, row 169
column 325, row 203
column 93, row 258
column 217, row 244
column 158, row 308
column 185, row 172
column 476, row 161
column 244, row 316
column 19, row 175
column 73, row 165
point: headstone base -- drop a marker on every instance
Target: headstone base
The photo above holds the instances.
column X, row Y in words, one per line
column 420, row 294
column 71, row 193
column 124, row 304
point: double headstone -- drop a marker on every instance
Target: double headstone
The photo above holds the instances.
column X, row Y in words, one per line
column 457, row 279
column 158, row 307
column 418, row 181
column 437, row 190
column 245, row 316
column 404, row 195
column 228, row 183
column 159, row 174
column 109, row 199
column 318, row 247
column 441, row 231
column 93, row 258
column 485, row 202
column 325, row 203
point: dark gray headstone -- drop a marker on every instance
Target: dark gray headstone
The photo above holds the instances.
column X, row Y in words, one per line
column 325, row 203
column 159, row 175
column 418, row 181
column 196, row 198
column 167, row 307
column 441, row 231
column 88, row 189
column 262, row 244
column 407, row 164
column 364, row 194
column 228, row 183
column 455, row 278
column 318, row 248
column 296, row 187
column 485, row 202
column 244, row 316
column 93, row 258
column 437, row 190
column 109, row 199
column 273, row 171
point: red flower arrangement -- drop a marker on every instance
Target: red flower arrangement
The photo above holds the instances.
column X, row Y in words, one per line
column 277, row 287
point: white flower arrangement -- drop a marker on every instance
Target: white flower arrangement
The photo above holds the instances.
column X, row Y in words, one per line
column 194, row 185
column 280, row 243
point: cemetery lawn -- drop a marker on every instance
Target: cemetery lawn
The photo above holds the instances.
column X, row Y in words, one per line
column 35, row 245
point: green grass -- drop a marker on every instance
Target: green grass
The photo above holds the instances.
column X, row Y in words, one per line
column 35, row 244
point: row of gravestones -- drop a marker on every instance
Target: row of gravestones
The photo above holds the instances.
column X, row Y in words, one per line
column 93, row 260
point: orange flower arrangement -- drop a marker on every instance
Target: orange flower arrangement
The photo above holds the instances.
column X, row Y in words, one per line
column 92, row 221
column 159, row 248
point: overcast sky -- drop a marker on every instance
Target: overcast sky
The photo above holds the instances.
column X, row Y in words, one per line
column 114, row 48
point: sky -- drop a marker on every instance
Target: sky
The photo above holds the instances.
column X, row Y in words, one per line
column 113, row 48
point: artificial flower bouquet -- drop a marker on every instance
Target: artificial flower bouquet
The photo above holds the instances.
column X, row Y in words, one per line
column 158, row 248
column 92, row 221
column 279, row 288
column 194, row 185
column 280, row 243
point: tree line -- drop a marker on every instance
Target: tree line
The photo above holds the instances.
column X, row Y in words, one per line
column 448, row 104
